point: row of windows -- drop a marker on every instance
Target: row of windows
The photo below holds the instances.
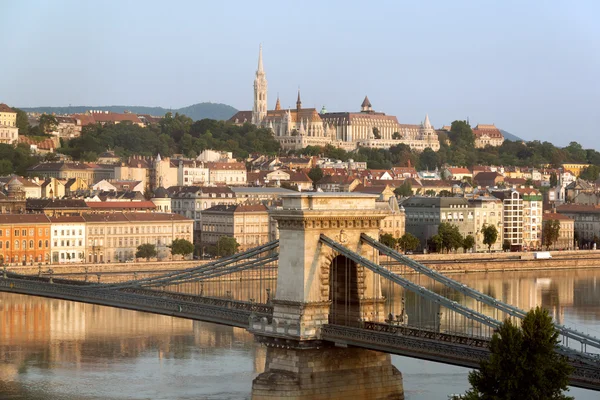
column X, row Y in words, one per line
column 23, row 245
column 67, row 232
column 143, row 229
column 23, row 232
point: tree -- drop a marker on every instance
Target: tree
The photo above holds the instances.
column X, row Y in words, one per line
column 461, row 135
column 315, row 174
column 445, row 193
column 182, row 247
column 550, row 232
column 22, row 121
column 396, row 136
column 6, row 167
column 490, row 235
column 553, row 180
column 437, row 242
column 523, row 362
column 468, row 243
column 376, row 133
column 146, row 250
column 388, row 240
column 226, row 246
column 47, row 123
column 409, row 242
column 590, row 173
column 404, row 190
column 506, row 245
column 450, row 235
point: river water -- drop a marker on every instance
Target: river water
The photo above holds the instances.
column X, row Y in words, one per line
column 60, row 350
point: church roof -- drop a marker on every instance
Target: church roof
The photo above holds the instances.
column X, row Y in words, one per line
column 366, row 102
column 241, row 116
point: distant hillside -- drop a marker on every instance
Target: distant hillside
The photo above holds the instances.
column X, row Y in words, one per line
column 510, row 136
column 195, row 112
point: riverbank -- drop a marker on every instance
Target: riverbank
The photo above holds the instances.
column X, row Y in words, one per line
column 522, row 261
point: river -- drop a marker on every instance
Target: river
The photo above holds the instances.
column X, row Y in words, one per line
column 60, row 350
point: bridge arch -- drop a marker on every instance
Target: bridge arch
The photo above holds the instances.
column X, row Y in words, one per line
column 344, row 291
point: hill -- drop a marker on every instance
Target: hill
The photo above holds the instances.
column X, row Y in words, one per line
column 510, row 136
column 196, row 111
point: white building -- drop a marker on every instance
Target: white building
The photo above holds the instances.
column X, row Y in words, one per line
column 191, row 172
column 233, row 173
column 67, row 235
column 215, row 156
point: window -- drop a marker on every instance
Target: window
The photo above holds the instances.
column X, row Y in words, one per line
column 31, row 244
column 16, row 232
column 24, row 232
column 24, row 244
column 46, row 243
column 31, row 232
column 16, row 244
column 7, row 245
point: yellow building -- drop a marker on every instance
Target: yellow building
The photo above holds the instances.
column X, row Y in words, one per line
column 575, row 168
column 9, row 133
column 250, row 225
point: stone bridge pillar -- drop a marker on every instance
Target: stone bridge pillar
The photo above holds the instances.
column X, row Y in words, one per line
column 311, row 280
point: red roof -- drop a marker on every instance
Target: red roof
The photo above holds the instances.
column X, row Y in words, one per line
column 120, row 204
column 6, row 109
column 551, row 216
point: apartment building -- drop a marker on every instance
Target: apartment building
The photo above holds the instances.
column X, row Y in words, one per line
column 425, row 214
column 227, row 173
column 586, row 220
column 115, row 237
column 566, row 232
column 250, row 225
column 68, row 239
column 24, row 238
column 523, row 208
column 487, row 210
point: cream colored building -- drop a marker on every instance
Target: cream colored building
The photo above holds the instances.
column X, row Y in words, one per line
column 9, row 133
column 487, row 211
column 296, row 128
column 566, row 233
column 228, row 173
column 487, row 135
column 394, row 222
column 250, row 225
column 67, row 239
column 114, row 237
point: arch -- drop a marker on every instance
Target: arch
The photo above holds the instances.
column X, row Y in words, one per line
column 344, row 297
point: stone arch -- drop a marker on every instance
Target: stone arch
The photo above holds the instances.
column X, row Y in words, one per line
column 344, row 291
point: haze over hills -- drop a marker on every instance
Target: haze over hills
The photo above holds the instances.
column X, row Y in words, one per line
column 510, row 136
column 195, row 111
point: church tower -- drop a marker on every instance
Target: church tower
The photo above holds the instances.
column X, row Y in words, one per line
column 259, row 111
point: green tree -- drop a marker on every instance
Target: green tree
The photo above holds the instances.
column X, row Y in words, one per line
column 22, row 121
column 550, row 232
column 388, row 240
column 409, row 242
column 461, row 135
column 445, row 193
column 468, row 242
column 47, row 123
column 523, row 362
column 182, row 247
column 590, row 173
column 450, row 236
column 404, row 190
column 490, row 235
column 376, row 133
column 553, row 179
column 506, row 245
column 226, row 246
column 438, row 243
column 6, row 167
column 396, row 136
column 315, row 174
column 146, row 250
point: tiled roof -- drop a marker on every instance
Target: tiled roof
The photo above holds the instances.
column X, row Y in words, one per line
column 6, row 109
column 67, row 219
column 459, row 170
column 578, row 208
column 558, row 216
column 241, row 117
column 225, row 166
column 134, row 217
column 51, row 204
column 24, row 219
column 489, row 130
column 97, row 205
column 235, row 208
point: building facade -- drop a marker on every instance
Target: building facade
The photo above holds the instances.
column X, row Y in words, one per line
column 25, row 238
column 68, row 239
column 487, row 135
column 296, row 128
column 566, row 232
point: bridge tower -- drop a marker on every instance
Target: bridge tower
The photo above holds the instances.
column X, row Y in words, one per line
column 316, row 286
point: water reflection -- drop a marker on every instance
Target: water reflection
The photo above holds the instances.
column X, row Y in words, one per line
column 52, row 349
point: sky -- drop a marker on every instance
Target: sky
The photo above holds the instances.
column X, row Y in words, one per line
column 530, row 67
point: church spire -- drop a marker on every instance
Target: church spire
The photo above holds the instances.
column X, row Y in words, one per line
column 427, row 124
column 298, row 102
column 259, row 111
column 278, row 104
column 260, row 63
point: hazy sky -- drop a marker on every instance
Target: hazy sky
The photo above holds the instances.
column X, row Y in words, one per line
column 530, row 67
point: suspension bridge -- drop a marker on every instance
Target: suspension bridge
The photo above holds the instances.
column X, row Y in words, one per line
column 330, row 303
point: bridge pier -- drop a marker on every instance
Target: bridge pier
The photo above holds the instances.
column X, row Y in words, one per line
column 327, row 373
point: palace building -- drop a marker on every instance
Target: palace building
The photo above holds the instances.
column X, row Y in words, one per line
column 300, row 127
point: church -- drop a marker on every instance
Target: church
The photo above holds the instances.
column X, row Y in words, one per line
column 300, row 127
